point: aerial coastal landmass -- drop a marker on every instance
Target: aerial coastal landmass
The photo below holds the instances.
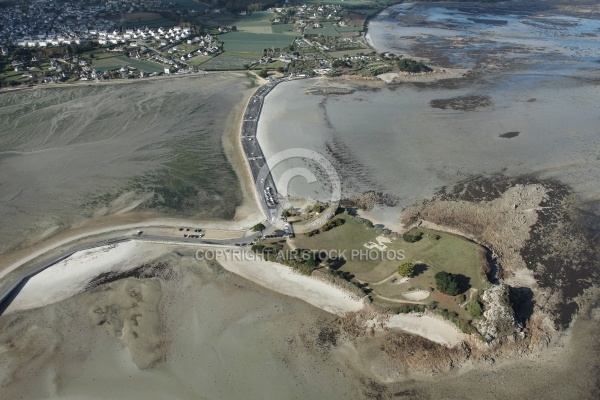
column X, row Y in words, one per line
column 348, row 199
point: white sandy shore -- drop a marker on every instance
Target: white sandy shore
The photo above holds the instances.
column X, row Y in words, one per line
column 427, row 326
column 282, row 279
column 70, row 277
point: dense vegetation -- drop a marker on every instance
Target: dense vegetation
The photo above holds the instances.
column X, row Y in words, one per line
column 302, row 260
column 332, row 224
column 446, row 283
column 409, row 65
column 412, row 237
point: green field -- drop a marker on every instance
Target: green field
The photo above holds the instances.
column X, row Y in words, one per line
column 436, row 251
column 230, row 61
column 282, row 28
column 254, row 42
column 349, row 28
column 325, row 31
column 14, row 76
column 194, row 62
column 110, row 63
column 249, row 23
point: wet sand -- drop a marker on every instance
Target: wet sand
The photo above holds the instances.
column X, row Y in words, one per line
column 76, row 153
column 209, row 334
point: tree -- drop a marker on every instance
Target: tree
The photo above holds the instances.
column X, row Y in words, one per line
column 263, row 73
column 406, row 269
column 259, row 227
column 446, row 283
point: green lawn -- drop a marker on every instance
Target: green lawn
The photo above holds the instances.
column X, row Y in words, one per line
column 254, row 42
column 449, row 253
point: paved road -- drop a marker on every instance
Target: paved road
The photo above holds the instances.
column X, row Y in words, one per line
column 256, row 159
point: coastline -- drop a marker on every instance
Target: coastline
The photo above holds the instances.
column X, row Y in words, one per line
column 274, row 276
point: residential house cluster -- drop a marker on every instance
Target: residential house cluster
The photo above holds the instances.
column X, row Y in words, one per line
column 309, row 16
column 40, row 23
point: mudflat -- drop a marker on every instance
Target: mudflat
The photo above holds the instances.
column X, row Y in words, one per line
column 72, row 154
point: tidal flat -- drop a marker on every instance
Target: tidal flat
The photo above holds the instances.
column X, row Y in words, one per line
column 75, row 153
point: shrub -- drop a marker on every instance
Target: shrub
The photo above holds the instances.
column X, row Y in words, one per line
column 475, row 309
column 408, row 308
column 258, row 228
column 319, row 208
column 412, row 237
column 332, row 224
column 446, row 283
column 452, row 316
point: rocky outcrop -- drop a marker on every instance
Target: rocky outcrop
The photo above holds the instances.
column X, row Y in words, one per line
column 498, row 318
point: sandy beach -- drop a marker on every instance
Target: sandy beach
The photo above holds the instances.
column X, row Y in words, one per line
column 282, row 279
column 71, row 276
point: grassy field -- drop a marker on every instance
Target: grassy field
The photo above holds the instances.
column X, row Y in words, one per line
column 230, row 61
column 436, row 251
column 14, row 76
column 199, row 60
column 253, row 42
column 241, row 22
column 104, row 63
column 325, row 31
column 282, row 28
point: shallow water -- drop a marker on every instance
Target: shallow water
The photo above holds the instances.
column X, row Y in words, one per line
column 392, row 140
column 461, row 32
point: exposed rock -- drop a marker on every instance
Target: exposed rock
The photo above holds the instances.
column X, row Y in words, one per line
column 498, row 318
column 370, row 199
